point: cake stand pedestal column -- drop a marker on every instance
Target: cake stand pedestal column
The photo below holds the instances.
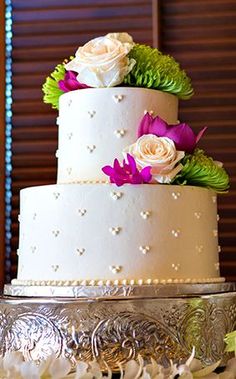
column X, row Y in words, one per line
column 116, row 323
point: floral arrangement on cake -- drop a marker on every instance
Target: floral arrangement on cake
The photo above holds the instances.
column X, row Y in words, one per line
column 163, row 153
column 167, row 154
column 13, row 366
column 115, row 60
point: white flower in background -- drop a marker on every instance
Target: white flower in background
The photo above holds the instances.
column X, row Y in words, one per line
column 91, row 370
column 103, row 61
column 159, row 153
column 10, row 365
column 54, row 368
column 13, row 366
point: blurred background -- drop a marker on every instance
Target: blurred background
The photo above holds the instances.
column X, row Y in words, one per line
column 37, row 35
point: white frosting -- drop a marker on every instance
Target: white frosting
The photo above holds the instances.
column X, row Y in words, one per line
column 96, row 124
column 112, row 240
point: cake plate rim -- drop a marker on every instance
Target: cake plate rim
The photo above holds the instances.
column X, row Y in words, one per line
column 168, row 290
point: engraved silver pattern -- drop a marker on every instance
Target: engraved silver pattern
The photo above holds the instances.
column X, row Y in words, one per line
column 116, row 330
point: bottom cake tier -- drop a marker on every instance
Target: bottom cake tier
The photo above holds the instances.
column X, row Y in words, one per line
column 99, row 233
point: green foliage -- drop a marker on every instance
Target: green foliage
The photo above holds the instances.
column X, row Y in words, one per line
column 230, row 340
column 158, row 71
column 50, row 88
column 200, row 170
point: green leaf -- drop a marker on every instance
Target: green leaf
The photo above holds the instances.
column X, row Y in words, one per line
column 50, row 88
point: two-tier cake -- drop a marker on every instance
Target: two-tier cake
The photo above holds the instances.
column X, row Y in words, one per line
column 135, row 199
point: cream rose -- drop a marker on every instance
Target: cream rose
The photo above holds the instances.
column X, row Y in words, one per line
column 103, row 61
column 159, row 153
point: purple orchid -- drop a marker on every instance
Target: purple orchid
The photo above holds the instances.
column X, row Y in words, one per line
column 182, row 134
column 128, row 173
column 70, row 83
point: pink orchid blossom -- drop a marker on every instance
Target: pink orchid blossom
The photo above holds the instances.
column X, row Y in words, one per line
column 181, row 134
column 128, row 173
column 70, row 83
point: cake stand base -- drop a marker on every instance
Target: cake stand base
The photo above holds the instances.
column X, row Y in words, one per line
column 116, row 323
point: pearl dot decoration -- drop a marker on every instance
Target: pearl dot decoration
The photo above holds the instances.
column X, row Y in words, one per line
column 69, row 135
column 80, row 251
column 118, row 98
column 150, row 112
column 56, row 195
column 119, row 133
column 214, row 199
column 91, row 148
column 215, row 232
column 18, row 252
column 34, row 216
column 199, row 248
column 175, row 233
column 69, row 102
column 91, row 113
column 82, row 212
column 56, row 233
column 116, row 195
column 115, row 269
column 55, row 267
column 175, row 195
column 69, row 170
column 57, row 153
column 19, row 218
column 33, row 249
column 217, row 266
column 219, row 249
column 115, row 230
column 197, row 215
column 218, row 218
column 175, row 266
column 57, row 120
column 145, row 214
column 144, row 249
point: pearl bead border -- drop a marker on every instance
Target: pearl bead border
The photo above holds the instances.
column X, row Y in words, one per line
column 102, row 282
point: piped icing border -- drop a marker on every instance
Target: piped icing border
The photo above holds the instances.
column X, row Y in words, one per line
column 101, row 282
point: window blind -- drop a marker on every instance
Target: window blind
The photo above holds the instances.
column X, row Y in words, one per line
column 202, row 36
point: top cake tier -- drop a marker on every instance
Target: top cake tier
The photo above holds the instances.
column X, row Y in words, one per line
column 96, row 124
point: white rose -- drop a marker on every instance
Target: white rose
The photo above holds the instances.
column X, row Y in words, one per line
column 103, row 61
column 159, row 153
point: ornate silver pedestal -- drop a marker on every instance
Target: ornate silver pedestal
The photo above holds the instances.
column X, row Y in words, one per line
column 116, row 323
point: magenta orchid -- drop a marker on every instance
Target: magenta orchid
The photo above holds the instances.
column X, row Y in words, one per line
column 70, row 83
column 181, row 134
column 128, row 173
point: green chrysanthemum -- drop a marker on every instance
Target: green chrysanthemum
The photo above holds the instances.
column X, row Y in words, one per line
column 158, row 71
column 50, row 88
column 230, row 340
column 200, row 170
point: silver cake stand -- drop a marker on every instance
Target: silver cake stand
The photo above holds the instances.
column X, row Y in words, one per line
column 116, row 323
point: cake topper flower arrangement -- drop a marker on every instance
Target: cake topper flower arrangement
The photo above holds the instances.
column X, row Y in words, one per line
column 115, row 60
column 168, row 154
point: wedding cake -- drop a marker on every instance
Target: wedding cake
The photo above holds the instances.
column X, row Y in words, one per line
column 135, row 200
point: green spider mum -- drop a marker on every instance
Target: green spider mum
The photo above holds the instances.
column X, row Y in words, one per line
column 50, row 88
column 230, row 340
column 158, row 71
column 200, row 170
